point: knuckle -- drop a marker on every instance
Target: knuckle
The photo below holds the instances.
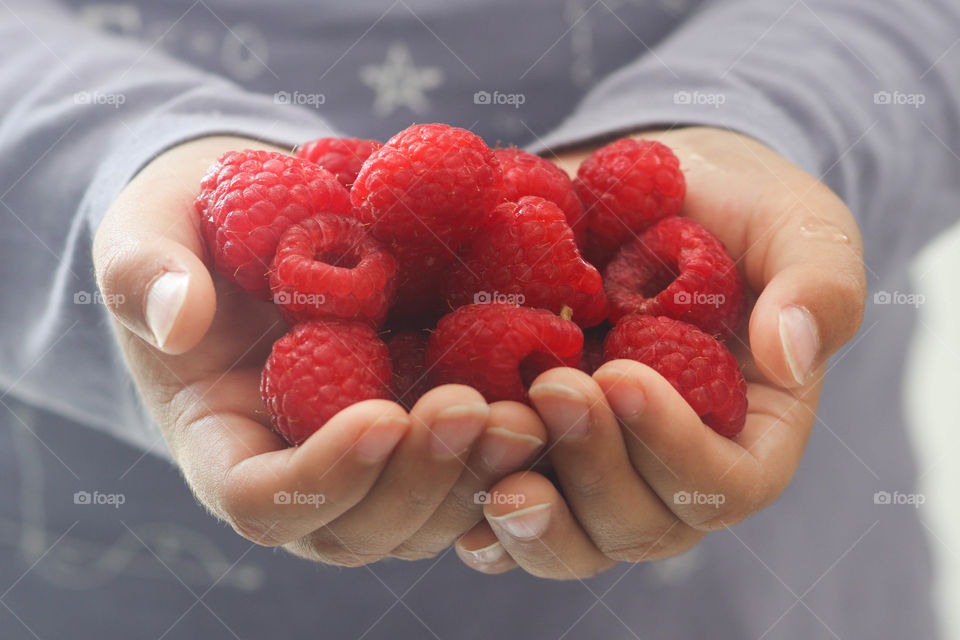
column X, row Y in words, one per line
column 556, row 569
column 720, row 517
column 336, row 552
column 593, row 484
column 110, row 266
column 462, row 504
column 349, row 559
column 419, row 500
column 254, row 529
column 645, row 544
column 236, row 508
column 418, row 551
column 739, row 502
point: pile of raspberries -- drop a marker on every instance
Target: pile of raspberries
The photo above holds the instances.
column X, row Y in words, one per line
column 434, row 259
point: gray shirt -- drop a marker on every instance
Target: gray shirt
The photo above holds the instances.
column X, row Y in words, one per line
column 863, row 93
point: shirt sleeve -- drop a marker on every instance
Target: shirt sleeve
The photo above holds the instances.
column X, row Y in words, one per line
column 83, row 111
column 858, row 92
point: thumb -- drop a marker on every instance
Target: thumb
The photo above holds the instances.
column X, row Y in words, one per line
column 163, row 291
column 148, row 250
column 813, row 290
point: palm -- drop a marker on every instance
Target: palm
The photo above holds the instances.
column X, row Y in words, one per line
column 625, row 445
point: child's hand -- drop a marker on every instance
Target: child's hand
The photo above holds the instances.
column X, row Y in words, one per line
column 642, row 478
column 373, row 482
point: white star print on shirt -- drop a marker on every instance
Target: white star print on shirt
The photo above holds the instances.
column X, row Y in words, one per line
column 398, row 82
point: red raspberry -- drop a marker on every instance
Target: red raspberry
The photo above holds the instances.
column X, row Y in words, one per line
column 408, row 355
column 527, row 250
column 498, row 349
column 525, row 174
column 678, row 269
column 625, row 187
column 249, row 198
column 328, row 266
column 319, row 368
column 702, row 369
column 430, row 185
column 342, row 157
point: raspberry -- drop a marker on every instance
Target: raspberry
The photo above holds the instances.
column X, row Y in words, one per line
column 498, row 349
column 527, row 250
column 408, row 355
column 678, row 269
column 699, row 367
column 249, row 198
column 625, row 187
column 319, row 368
column 430, row 185
column 328, row 266
column 342, row 157
column 525, row 174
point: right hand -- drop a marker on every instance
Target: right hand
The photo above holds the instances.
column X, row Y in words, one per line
column 392, row 483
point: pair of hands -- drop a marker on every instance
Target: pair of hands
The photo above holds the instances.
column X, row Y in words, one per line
column 377, row 481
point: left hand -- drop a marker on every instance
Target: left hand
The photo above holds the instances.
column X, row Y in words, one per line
column 624, row 444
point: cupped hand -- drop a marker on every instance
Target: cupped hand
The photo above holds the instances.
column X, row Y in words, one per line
column 375, row 481
column 640, row 477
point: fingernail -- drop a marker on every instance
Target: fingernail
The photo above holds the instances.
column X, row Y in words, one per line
column 565, row 411
column 505, row 450
column 800, row 340
column 165, row 298
column 381, row 438
column 455, row 428
column 524, row 524
column 487, row 555
column 626, row 399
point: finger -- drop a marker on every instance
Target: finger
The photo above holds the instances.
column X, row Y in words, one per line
column 536, row 528
column 269, row 493
column 707, row 480
column 807, row 311
column 148, row 250
column 445, row 422
column 513, row 436
column 480, row 549
column 803, row 253
column 623, row 516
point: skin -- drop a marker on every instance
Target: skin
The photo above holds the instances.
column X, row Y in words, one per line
column 393, row 483
column 623, row 442
column 399, row 484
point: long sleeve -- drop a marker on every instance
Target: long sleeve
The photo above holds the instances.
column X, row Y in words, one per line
column 864, row 94
column 82, row 113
